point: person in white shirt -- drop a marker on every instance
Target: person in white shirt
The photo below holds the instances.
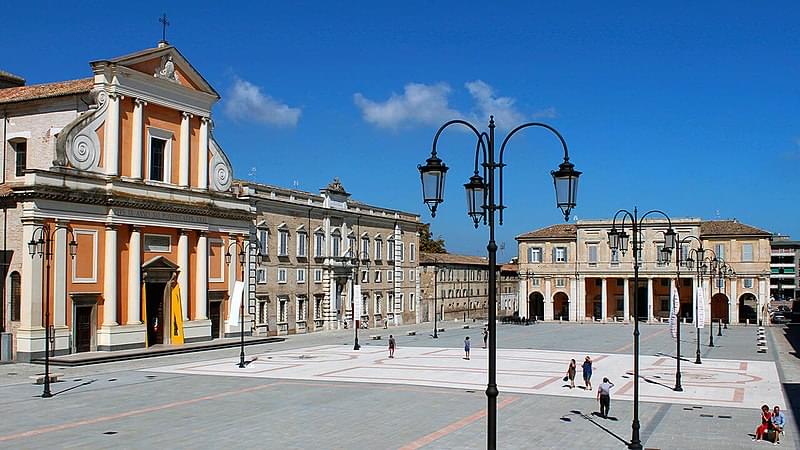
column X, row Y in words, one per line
column 604, row 396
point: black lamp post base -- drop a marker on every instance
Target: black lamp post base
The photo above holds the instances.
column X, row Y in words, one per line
column 47, row 393
column 697, row 360
column 677, row 389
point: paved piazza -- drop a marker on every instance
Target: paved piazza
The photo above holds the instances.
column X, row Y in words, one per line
column 314, row 392
column 740, row 384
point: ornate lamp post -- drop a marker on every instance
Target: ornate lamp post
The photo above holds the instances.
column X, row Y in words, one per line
column 700, row 262
column 481, row 206
column 243, row 249
column 43, row 247
column 618, row 240
column 678, row 261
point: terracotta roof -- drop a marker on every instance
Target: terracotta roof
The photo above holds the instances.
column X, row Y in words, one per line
column 560, row 231
column 8, row 76
column 449, row 258
column 729, row 227
column 47, row 90
column 509, row 267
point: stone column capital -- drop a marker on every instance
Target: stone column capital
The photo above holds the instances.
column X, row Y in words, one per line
column 186, row 115
column 204, row 120
column 139, row 102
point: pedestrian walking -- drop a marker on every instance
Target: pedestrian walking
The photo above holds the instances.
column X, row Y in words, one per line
column 604, row 397
column 485, row 336
column 392, row 345
column 571, row 373
column 466, row 347
column 587, row 373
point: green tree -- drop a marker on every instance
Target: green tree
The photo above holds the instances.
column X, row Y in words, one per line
column 427, row 243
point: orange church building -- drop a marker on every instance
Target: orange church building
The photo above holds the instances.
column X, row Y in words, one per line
column 123, row 171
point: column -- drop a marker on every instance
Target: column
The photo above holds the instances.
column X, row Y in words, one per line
column 202, row 160
column 649, row 299
column 626, row 300
column 111, row 144
column 603, row 299
column 201, row 280
column 572, row 310
column 183, row 178
column 183, row 271
column 136, row 139
column 135, row 277
column 32, row 287
column 763, row 295
column 580, row 308
column 60, row 278
column 548, row 300
column 110, row 278
column 733, row 310
column 523, row 298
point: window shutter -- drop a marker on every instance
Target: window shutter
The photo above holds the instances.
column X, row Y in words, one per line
column 554, row 254
column 566, row 258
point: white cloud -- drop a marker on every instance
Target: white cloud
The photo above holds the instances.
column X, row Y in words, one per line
column 419, row 104
column 487, row 103
column 246, row 102
column 428, row 104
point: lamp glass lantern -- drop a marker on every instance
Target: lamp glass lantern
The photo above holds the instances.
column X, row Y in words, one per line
column 227, row 257
column 432, row 175
column 613, row 239
column 623, row 241
column 476, row 193
column 32, row 247
column 565, row 180
column 665, row 253
column 73, row 248
column 669, row 239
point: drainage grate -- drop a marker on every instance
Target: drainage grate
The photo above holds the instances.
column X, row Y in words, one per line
column 112, row 379
column 706, row 415
column 725, row 417
column 471, row 392
column 109, row 432
column 688, row 409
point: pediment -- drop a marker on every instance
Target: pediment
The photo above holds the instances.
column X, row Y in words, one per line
column 165, row 63
column 160, row 263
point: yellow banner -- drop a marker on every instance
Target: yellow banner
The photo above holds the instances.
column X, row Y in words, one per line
column 176, row 325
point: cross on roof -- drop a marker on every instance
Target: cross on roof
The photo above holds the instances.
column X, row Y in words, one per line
column 164, row 24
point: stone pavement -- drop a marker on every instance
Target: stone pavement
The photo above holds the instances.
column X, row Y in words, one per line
column 738, row 384
column 118, row 405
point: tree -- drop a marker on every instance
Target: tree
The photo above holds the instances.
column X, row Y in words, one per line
column 427, row 243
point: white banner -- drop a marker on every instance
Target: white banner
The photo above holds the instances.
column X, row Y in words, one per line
column 675, row 306
column 700, row 304
column 357, row 302
column 236, row 302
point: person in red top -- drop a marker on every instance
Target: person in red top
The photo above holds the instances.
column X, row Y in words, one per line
column 766, row 423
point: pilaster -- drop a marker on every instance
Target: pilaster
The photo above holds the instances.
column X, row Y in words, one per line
column 137, row 134
column 134, row 277
column 111, row 139
column 32, row 287
column 603, row 299
column 626, row 300
column 201, row 279
column 110, row 278
column 183, row 272
column 183, row 174
column 548, row 300
column 202, row 160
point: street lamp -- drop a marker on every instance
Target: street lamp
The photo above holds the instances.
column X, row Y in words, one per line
column 618, row 241
column 480, row 191
column 243, row 249
column 43, row 247
column 701, row 263
column 435, row 296
column 678, row 261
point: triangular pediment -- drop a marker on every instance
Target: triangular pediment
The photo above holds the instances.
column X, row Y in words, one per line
column 160, row 263
column 167, row 64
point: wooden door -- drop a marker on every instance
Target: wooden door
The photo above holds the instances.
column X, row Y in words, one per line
column 215, row 314
column 83, row 329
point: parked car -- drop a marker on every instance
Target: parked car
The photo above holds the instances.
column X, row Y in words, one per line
column 779, row 317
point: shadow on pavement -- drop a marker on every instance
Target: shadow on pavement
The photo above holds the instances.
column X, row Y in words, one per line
column 85, row 383
column 792, row 333
column 593, row 421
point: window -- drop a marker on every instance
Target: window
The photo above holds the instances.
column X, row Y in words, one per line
column 390, row 250
column 283, row 309
column 301, row 275
column 747, row 252
column 614, row 257
column 263, row 240
column 400, row 304
column 660, row 261
column 364, row 305
column 261, row 275
column 318, row 306
column 412, row 250
column 262, row 312
column 748, row 283
column 378, row 276
column 593, row 255
column 16, row 296
column 719, row 249
column 336, row 245
column 283, row 243
column 319, row 245
column 302, row 244
column 378, row 300
column 21, row 151
column 390, row 303
column 378, row 249
column 684, row 253
column 389, row 276
column 401, row 248
column 159, row 158
column 364, row 248
column 561, row 282
column 351, row 245
column 365, row 276
column 301, row 308
column 560, row 254
column 317, row 275
column 410, row 302
column 282, row 275
column 721, row 283
column 412, row 275
column 534, row 254
column 157, row 243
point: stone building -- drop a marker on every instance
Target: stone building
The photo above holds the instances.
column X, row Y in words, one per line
column 317, row 247
column 460, row 285
column 573, row 275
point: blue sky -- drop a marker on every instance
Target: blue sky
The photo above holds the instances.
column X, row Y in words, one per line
column 687, row 107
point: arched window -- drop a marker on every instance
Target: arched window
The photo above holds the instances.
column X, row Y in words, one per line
column 16, row 295
column 21, row 153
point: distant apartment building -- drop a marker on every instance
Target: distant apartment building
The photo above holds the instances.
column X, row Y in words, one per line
column 784, row 267
column 571, row 273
